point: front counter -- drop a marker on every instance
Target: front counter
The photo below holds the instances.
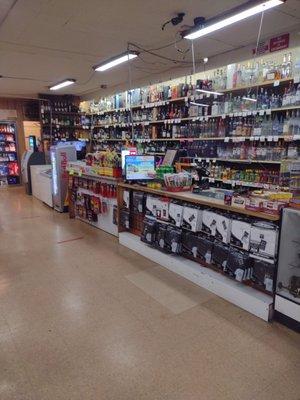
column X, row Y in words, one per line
column 229, row 251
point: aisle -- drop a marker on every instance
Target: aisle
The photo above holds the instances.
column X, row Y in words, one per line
column 81, row 317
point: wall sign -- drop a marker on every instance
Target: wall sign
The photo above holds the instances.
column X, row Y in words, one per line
column 274, row 44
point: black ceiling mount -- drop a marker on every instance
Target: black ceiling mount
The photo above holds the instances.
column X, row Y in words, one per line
column 174, row 21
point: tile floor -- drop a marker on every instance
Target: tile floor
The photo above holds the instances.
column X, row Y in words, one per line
column 88, row 319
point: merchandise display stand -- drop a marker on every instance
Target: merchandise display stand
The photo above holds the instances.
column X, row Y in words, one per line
column 92, row 199
column 244, row 293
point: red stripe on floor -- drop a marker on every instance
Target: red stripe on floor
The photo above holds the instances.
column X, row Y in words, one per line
column 70, row 240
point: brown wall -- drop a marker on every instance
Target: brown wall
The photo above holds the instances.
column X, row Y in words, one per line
column 18, row 106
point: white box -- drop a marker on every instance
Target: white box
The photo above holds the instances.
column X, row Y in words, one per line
column 162, row 209
column 126, row 198
column 176, row 214
column 240, row 234
column 263, row 240
column 192, row 218
column 223, row 228
column 151, row 205
column 209, row 222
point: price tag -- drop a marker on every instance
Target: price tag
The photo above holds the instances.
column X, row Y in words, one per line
column 256, row 138
column 215, row 96
column 262, row 112
column 223, row 116
column 275, row 138
column 231, row 115
column 214, row 160
column 226, row 139
column 212, row 180
column 270, row 138
column 207, row 95
column 296, row 137
column 178, row 120
column 207, row 160
column 276, row 83
column 245, row 113
column 242, row 139
column 79, row 173
column 201, row 97
column 296, row 78
column 262, row 138
column 268, row 112
column 71, row 172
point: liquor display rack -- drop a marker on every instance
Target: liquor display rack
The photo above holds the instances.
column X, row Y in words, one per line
column 9, row 159
column 61, row 119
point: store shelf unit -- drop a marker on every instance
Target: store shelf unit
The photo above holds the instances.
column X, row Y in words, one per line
column 61, row 119
column 247, row 294
column 9, row 157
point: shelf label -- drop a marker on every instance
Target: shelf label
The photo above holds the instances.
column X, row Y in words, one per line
column 223, row 116
column 268, row 112
column 262, row 138
column 262, row 112
column 276, row 83
column 270, row 138
column 296, row 137
column 226, row 139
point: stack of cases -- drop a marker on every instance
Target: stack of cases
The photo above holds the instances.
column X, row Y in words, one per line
column 243, row 249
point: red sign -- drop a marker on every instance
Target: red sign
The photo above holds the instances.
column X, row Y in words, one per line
column 279, row 42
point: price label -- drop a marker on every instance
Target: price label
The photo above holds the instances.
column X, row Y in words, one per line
column 223, row 116
column 226, row 140
column 262, row 138
column 276, row 83
column 71, row 172
column 207, row 160
column 212, row 180
column 201, row 97
column 262, row 112
column 256, row 138
column 270, row 138
column 296, row 137
column 296, row 78
column 245, row 113
column 231, row 115
column 242, row 139
column 268, row 112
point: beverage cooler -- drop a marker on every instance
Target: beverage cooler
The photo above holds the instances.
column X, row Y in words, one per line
column 9, row 159
column 60, row 155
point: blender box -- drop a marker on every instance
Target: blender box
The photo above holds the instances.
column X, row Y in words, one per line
column 176, row 214
column 192, row 218
column 209, row 222
column 240, row 234
column 223, row 228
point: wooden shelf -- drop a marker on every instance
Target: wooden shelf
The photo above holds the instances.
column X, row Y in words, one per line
column 261, row 84
column 200, row 200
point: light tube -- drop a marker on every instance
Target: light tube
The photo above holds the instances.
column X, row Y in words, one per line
column 60, row 85
column 116, row 61
column 234, row 18
column 209, row 92
column 249, row 99
column 199, row 104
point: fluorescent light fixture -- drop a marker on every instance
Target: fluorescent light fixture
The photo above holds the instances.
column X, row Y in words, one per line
column 205, row 30
column 199, row 104
column 116, row 61
column 209, row 92
column 60, row 85
column 249, row 99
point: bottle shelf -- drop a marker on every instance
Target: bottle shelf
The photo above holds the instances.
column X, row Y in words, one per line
column 234, row 182
column 233, row 160
column 187, row 98
column 199, row 118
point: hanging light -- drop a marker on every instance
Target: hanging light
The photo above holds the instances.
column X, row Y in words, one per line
column 60, row 85
column 112, row 62
column 238, row 16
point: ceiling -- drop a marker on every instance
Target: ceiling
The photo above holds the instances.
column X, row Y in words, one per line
column 45, row 41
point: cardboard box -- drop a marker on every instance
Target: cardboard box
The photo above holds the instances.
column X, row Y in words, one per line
column 151, row 205
column 254, row 203
column 126, row 198
column 238, row 201
column 273, row 207
column 263, row 239
column 240, row 234
column 162, row 208
column 209, row 222
column 176, row 214
column 223, row 228
column 192, row 218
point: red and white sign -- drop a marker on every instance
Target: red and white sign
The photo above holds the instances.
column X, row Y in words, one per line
column 279, row 42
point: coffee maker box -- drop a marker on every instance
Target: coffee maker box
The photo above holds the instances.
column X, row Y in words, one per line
column 223, row 228
column 176, row 214
column 209, row 222
column 240, row 234
column 192, row 218
column 263, row 239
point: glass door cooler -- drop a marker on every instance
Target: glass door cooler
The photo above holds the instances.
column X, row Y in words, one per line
column 287, row 297
column 9, row 163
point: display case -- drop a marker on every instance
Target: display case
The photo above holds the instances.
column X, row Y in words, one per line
column 9, row 160
column 287, row 299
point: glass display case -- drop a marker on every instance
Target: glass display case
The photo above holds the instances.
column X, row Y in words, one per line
column 287, row 297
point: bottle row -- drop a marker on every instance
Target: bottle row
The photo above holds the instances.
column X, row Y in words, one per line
column 6, row 157
column 263, row 176
column 256, row 151
column 61, row 106
column 62, row 120
column 11, row 168
column 278, row 124
column 7, row 147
